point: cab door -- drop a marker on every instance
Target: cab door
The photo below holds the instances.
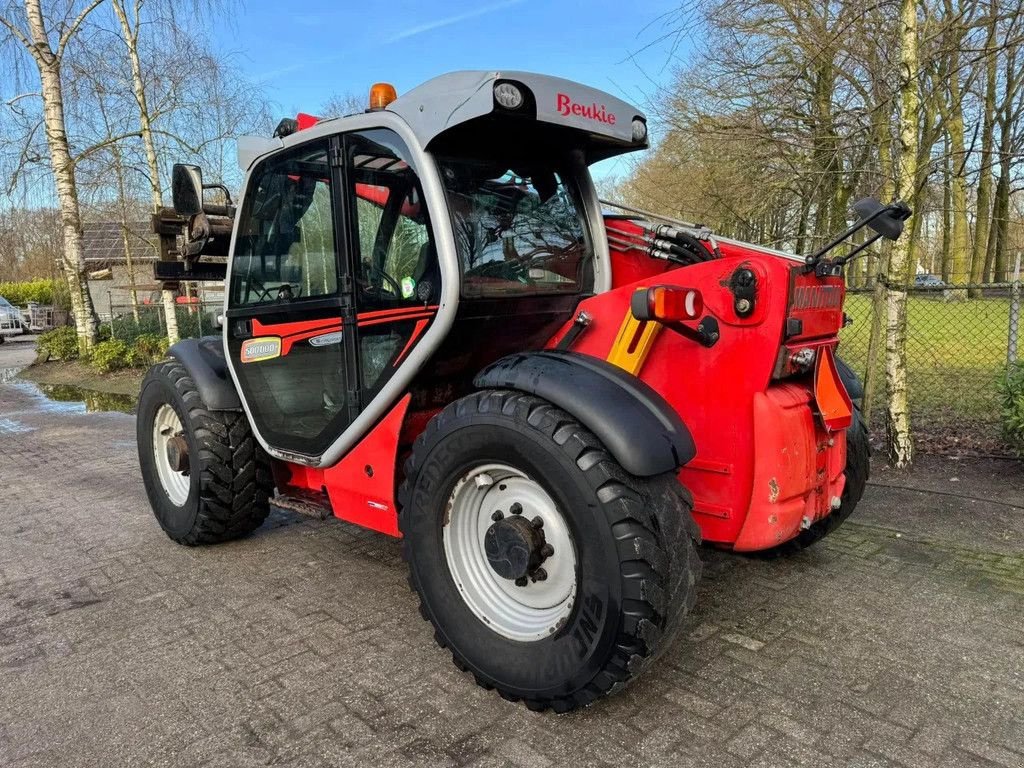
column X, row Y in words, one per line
column 286, row 304
column 334, row 280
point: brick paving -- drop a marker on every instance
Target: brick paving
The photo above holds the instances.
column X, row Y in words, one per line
column 891, row 645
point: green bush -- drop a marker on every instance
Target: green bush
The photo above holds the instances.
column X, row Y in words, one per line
column 149, row 348
column 44, row 291
column 128, row 329
column 60, row 343
column 194, row 323
column 1012, row 391
column 150, row 324
column 111, row 355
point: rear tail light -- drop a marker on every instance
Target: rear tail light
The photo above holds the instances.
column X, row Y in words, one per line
column 667, row 304
column 814, row 316
column 795, row 360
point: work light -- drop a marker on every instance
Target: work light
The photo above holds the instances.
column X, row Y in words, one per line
column 639, row 130
column 508, row 95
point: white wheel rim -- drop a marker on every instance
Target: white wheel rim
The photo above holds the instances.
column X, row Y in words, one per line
column 525, row 613
column 166, row 425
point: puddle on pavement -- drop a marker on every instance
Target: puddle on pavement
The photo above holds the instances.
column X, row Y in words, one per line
column 92, row 399
column 68, row 398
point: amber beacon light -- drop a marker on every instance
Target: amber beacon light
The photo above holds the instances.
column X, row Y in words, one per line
column 381, row 94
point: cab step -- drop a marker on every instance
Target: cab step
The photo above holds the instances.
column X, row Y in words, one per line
column 315, row 505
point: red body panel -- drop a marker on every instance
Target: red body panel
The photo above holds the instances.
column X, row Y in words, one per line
column 628, row 266
column 766, row 465
column 361, row 487
column 751, row 433
column 292, row 333
column 796, row 472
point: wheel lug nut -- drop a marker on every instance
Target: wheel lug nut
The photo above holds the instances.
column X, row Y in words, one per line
column 540, row 574
column 547, row 550
column 521, row 581
column 516, row 509
column 497, row 515
column 537, row 522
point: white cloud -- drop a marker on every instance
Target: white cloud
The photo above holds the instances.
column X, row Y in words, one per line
column 449, row 20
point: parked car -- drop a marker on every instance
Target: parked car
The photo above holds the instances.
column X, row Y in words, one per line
column 10, row 320
column 925, row 280
column 932, row 287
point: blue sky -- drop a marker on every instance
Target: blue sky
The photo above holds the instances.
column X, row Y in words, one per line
column 307, row 50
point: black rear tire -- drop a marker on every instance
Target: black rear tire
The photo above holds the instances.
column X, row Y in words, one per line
column 230, row 482
column 634, row 540
column 858, row 468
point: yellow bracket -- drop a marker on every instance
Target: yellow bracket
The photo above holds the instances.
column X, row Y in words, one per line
column 633, row 342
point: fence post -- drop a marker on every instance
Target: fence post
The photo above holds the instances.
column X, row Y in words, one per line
column 110, row 312
column 1011, row 345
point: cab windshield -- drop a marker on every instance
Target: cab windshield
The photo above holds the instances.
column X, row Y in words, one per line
column 518, row 230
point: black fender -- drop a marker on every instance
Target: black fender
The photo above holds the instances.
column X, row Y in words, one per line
column 854, row 386
column 640, row 430
column 205, row 362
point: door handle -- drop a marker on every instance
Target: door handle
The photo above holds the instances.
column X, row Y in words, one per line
column 241, row 329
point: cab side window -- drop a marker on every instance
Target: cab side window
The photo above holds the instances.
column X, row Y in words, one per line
column 397, row 276
column 286, row 246
column 396, row 262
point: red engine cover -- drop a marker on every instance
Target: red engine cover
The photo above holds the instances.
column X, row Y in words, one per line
column 747, row 427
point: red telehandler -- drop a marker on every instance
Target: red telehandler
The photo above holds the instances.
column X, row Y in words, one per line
column 434, row 328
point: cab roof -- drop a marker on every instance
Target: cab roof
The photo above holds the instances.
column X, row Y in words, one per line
column 455, row 98
column 602, row 125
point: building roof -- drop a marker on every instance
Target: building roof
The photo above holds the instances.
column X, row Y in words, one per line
column 103, row 244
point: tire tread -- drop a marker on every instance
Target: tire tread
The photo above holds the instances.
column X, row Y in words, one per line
column 651, row 520
column 235, row 483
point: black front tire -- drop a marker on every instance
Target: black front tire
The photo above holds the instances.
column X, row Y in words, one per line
column 230, row 482
column 634, row 538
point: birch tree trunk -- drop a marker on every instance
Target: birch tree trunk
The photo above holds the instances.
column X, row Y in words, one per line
column 48, row 63
column 984, row 203
column 878, row 271
column 130, row 33
column 898, row 439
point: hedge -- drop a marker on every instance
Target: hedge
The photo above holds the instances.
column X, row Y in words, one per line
column 44, row 291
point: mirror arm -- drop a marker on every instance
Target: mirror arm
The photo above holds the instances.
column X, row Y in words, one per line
column 222, row 188
column 860, row 224
column 858, row 249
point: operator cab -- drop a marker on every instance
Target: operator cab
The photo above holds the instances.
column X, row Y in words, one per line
column 384, row 254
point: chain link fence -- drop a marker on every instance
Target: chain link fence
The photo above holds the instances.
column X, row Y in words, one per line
column 196, row 317
column 960, row 340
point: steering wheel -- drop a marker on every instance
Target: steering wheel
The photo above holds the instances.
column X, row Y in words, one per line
column 378, row 288
column 262, row 292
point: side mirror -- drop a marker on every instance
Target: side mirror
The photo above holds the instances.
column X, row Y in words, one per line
column 886, row 220
column 187, row 189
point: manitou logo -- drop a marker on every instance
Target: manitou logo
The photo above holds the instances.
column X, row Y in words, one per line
column 566, row 107
column 817, row 297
